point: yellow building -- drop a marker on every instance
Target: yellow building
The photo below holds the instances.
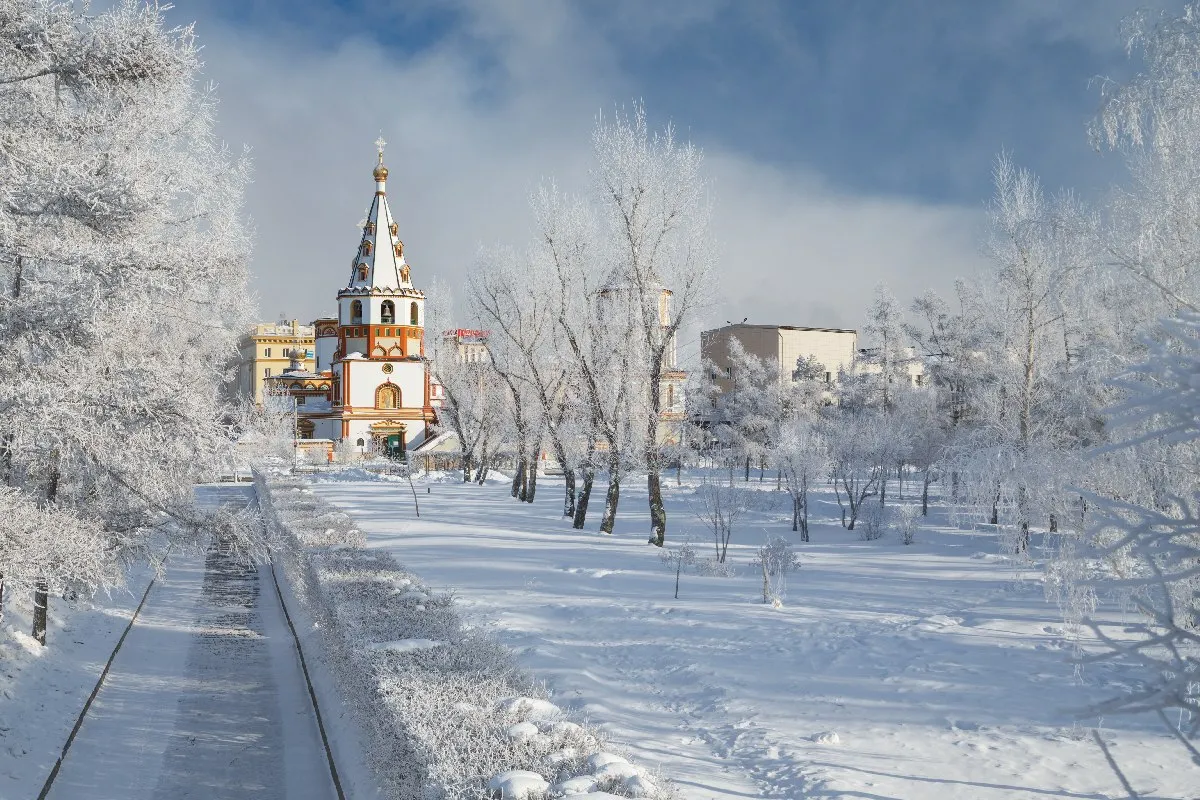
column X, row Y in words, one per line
column 264, row 352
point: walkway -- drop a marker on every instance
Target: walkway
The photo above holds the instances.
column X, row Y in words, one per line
column 206, row 698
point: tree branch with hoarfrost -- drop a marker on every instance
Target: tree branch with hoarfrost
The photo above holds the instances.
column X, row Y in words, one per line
column 123, row 251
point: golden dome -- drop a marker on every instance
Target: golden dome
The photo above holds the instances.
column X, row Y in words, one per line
column 381, row 172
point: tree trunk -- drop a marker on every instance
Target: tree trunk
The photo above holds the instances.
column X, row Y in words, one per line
column 795, row 512
column 1053, row 524
column 883, row 478
column 41, row 607
column 747, row 469
column 531, row 469
column 518, row 474
column 1, row 599
column 766, row 581
column 804, row 516
column 466, row 465
column 762, row 468
column 658, row 510
column 678, row 570
column 925, row 495
column 612, row 497
column 581, row 505
column 679, row 472
column 838, row 494
column 779, row 480
column 569, row 496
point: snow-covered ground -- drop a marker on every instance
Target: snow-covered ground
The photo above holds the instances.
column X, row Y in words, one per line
column 936, row 670
column 205, row 698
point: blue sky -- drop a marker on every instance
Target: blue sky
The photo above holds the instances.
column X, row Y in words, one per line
column 849, row 142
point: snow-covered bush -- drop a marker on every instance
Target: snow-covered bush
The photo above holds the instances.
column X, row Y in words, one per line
column 679, row 558
column 444, row 710
column 775, row 560
column 870, row 522
column 906, row 520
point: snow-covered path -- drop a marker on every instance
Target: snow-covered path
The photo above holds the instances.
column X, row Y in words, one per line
column 206, row 698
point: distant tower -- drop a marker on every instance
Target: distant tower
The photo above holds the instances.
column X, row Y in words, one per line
column 380, row 392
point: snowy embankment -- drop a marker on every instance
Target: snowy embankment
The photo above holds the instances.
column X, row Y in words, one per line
column 443, row 710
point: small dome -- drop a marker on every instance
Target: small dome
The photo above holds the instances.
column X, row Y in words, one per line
column 381, row 172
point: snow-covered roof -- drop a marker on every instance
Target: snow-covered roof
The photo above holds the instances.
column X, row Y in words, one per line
column 380, row 250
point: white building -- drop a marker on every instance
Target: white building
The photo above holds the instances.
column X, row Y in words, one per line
column 372, row 354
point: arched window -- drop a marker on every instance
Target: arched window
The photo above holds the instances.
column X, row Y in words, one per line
column 387, row 312
column 414, row 314
column 362, row 272
column 366, row 248
column 387, row 396
column 356, row 311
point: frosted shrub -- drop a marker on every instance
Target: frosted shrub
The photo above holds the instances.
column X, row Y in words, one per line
column 445, row 712
column 679, row 558
column 870, row 523
column 775, row 560
column 906, row 522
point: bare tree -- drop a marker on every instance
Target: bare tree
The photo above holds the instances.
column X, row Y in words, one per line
column 720, row 506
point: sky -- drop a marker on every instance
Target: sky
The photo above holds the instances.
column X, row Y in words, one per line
column 848, row 142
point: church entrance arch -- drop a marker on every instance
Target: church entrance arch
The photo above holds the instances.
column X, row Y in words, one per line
column 391, row 439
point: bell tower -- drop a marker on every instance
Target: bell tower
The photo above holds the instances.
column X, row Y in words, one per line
column 380, row 386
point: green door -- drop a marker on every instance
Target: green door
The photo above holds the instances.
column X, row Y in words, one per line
column 395, row 445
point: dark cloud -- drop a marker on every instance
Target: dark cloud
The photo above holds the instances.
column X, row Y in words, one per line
column 850, row 142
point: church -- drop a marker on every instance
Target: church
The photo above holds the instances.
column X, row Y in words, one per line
column 369, row 386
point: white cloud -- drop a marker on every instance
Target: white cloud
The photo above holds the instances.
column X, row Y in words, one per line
column 465, row 151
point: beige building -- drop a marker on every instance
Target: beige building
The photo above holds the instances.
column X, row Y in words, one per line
column 265, row 351
column 834, row 348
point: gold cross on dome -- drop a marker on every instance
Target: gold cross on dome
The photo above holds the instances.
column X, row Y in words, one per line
column 380, row 143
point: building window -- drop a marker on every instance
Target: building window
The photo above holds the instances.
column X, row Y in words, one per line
column 356, row 312
column 370, row 229
column 387, row 396
column 413, row 314
column 266, row 372
column 299, row 401
column 670, row 396
column 362, row 272
column 828, row 377
column 917, row 379
column 366, row 248
column 266, row 352
column 387, row 312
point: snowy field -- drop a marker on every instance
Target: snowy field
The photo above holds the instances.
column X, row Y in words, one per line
column 936, row 670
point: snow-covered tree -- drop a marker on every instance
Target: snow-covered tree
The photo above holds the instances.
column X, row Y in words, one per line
column 123, row 253
column 859, row 445
column 653, row 208
column 885, row 362
column 802, row 455
column 595, row 336
column 512, row 295
column 746, row 417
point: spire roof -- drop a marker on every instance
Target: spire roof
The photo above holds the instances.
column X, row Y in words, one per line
column 379, row 263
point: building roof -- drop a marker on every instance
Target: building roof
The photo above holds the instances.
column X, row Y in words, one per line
column 743, row 326
column 380, row 249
